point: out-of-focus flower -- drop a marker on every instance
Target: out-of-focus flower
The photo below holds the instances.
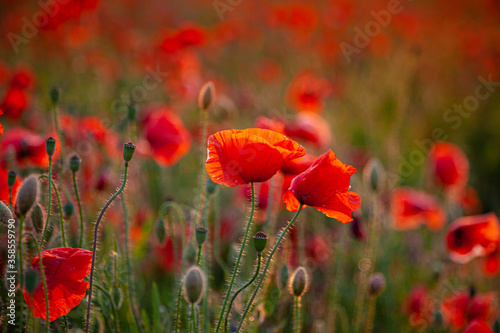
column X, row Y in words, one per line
column 449, row 166
column 319, row 250
column 460, row 309
column 270, row 124
column 310, row 127
column 418, row 306
column 469, row 200
column 237, row 157
column 472, row 236
column 491, row 265
column 27, row 147
column 65, row 268
column 298, row 18
column 411, row 207
column 307, row 93
column 15, row 102
column 477, row 327
column 187, row 36
column 325, row 186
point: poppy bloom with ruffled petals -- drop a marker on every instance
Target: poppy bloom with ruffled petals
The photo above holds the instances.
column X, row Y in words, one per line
column 449, row 165
column 411, row 207
column 237, row 157
column 65, row 268
column 325, row 186
column 477, row 327
column 472, row 236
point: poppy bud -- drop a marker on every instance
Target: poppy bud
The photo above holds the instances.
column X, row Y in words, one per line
column 50, row 146
column 160, row 231
column 210, row 186
column 5, row 213
column 68, row 209
column 201, row 235
column 376, row 285
column 283, row 277
column 128, row 151
column 299, row 282
column 26, row 196
column 259, row 241
column 11, row 178
column 131, row 111
column 117, row 297
column 194, row 285
column 206, row 96
column 37, row 218
column 374, row 174
column 472, row 292
column 55, row 93
column 74, row 163
column 31, row 280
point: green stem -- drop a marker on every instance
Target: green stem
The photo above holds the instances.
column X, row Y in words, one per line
column 198, row 261
column 178, row 310
column 50, row 203
column 113, row 308
column 59, row 206
column 217, row 242
column 262, row 277
column 21, row 270
column 205, row 268
column 246, row 285
column 10, row 197
column 61, row 139
column 235, row 270
column 80, row 244
column 203, row 175
column 194, row 324
column 296, row 315
column 101, row 214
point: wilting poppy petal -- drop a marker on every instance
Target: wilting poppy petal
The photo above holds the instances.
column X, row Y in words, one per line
column 460, row 309
column 477, row 327
column 472, row 236
column 449, row 165
column 237, row 157
column 411, row 207
column 65, row 268
column 324, row 186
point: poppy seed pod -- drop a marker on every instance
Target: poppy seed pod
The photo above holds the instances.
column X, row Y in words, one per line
column 206, row 96
column 131, row 111
column 160, row 231
column 68, row 209
column 50, row 146
column 194, row 285
column 201, row 235
column 5, row 213
column 55, row 93
column 37, row 218
column 31, row 280
column 26, row 196
column 11, row 178
column 74, row 163
column 260, row 241
column 299, row 282
column 128, row 151
column 374, row 175
column 376, row 285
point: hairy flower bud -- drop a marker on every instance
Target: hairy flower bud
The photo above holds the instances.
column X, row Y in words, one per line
column 194, row 285
column 55, row 93
column 160, row 231
column 374, row 175
column 68, row 209
column 50, row 146
column 376, row 286
column 201, row 235
column 260, row 241
column 128, row 151
column 27, row 195
column 210, row 186
column 37, row 219
column 206, row 96
column 11, row 178
column 74, row 163
column 299, row 282
column 284, row 273
column 5, row 213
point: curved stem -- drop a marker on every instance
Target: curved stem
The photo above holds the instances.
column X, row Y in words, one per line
column 235, row 269
column 80, row 244
column 21, row 269
column 246, row 285
column 87, row 324
column 50, row 203
column 263, row 276
column 59, row 206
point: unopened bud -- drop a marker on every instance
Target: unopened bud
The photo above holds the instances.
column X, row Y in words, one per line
column 50, row 146
column 31, row 281
column 299, row 282
column 11, row 178
column 194, row 285
column 131, row 111
column 210, row 186
column 68, row 209
column 376, row 285
column 201, row 235
column 128, row 151
column 26, row 196
column 74, row 163
column 260, row 241
column 5, row 213
column 37, row 219
column 117, row 297
column 283, row 276
column 160, row 231
column 206, row 96
column 374, row 175
column 55, row 93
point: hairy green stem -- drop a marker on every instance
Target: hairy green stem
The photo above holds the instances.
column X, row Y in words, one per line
column 50, row 203
column 61, row 139
column 60, row 209
column 82, row 232
column 263, row 276
column 198, row 261
column 296, row 315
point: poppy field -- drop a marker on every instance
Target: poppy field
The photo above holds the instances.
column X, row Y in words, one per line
column 250, row 166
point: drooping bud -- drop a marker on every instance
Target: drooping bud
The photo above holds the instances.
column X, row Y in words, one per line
column 201, row 235
column 210, row 186
column 11, row 178
column 131, row 111
column 260, row 241
column 299, row 282
column 117, row 297
column 50, row 146
column 37, row 219
column 68, row 209
column 206, row 96
column 27, row 195
column 55, row 93
column 194, row 285
column 74, row 163
column 5, row 213
column 128, row 151
column 374, row 175
column 31, row 280
column 160, row 231
column 376, row 286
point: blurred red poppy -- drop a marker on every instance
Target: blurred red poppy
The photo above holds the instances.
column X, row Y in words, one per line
column 4, row 188
column 65, row 268
column 472, row 236
column 411, row 207
column 325, row 186
column 15, row 102
column 189, row 35
column 237, row 157
column 270, row 124
column 477, row 327
column 460, row 309
column 28, row 148
column 307, row 92
column 491, row 265
column 469, row 200
column 310, row 127
column 418, row 306
column 449, row 165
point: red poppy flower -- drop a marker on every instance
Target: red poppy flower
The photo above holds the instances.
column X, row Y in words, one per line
column 460, row 309
column 4, row 188
column 23, row 78
column 491, row 264
column 472, row 236
column 270, row 124
column 237, row 157
column 293, row 168
column 411, row 207
column 28, row 147
column 477, row 327
column 189, row 35
column 307, row 93
column 449, row 165
column 418, row 306
column 167, row 137
column 1, row 128
column 310, row 127
column 14, row 102
column 325, row 186
column 65, row 268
